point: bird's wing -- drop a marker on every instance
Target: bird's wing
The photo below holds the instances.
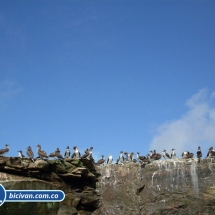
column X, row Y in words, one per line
column 3, row 151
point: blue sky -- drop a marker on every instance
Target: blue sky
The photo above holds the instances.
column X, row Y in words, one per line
column 115, row 75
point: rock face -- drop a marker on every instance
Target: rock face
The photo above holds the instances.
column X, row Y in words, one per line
column 176, row 186
column 77, row 178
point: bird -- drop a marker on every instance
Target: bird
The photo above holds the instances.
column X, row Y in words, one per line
column 88, row 153
column 52, row 155
column 173, row 154
column 101, row 161
column 187, row 155
column 190, row 155
column 211, row 152
column 128, row 156
column 134, row 160
column 30, row 153
column 155, row 155
column 42, row 154
column 140, row 158
column 110, row 159
column 90, row 156
column 132, row 156
column 85, row 154
column 152, row 155
column 76, row 153
column 67, row 152
column 20, row 154
column 184, row 154
column 121, row 157
column 117, row 161
column 147, row 159
column 57, row 154
column 4, row 151
column 158, row 156
column 165, row 154
column 199, row 154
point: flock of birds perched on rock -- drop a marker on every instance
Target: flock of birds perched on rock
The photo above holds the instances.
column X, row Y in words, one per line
column 56, row 154
column 129, row 157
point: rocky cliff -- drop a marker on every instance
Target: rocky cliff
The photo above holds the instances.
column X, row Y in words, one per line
column 177, row 186
column 77, row 178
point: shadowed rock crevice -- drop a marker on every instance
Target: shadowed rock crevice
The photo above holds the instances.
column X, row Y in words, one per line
column 140, row 190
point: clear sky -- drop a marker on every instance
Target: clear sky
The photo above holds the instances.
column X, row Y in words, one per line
column 116, row 75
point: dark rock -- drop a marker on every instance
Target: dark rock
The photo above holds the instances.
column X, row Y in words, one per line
column 66, row 210
column 39, row 165
column 69, row 176
column 88, row 163
column 89, row 200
